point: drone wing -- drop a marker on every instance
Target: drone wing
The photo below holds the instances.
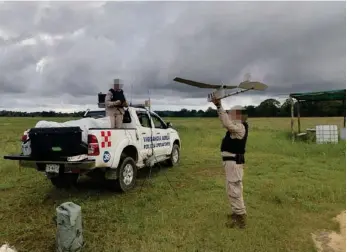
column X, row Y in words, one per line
column 201, row 85
column 255, row 85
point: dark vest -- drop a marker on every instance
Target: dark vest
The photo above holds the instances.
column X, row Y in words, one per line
column 117, row 96
column 236, row 146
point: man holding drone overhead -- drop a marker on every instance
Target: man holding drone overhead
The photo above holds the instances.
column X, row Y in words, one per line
column 115, row 102
column 233, row 149
column 233, row 145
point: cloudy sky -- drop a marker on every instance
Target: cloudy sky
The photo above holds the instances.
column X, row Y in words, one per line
column 59, row 55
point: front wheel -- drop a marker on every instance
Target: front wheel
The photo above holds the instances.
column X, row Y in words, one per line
column 175, row 156
column 126, row 173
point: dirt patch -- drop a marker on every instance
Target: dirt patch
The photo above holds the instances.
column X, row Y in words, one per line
column 329, row 241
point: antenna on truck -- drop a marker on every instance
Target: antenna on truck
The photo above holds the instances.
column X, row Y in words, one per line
column 150, row 162
column 149, row 109
column 131, row 93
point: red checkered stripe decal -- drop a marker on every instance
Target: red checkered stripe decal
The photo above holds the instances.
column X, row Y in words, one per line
column 106, row 139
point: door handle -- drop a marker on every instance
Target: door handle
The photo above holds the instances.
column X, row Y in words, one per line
column 158, row 133
column 143, row 133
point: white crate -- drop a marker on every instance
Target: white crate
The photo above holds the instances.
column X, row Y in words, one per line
column 327, row 134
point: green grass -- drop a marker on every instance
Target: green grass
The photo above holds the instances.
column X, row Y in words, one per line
column 290, row 190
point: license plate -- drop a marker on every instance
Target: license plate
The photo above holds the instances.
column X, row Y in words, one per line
column 52, row 168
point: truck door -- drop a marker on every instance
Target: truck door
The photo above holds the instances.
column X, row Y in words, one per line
column 161, row 136
column 145, row 132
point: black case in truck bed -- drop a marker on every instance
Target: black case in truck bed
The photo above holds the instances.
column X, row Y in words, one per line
column 56, row 143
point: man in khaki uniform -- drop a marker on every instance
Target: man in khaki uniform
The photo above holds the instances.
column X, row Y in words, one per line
column 115, row 102
column 232, row 150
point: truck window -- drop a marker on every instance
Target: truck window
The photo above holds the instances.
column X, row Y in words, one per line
column 144, row 119
column 158, row 123
column 95, row 114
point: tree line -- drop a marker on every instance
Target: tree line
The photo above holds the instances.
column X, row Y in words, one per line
column 267, row 108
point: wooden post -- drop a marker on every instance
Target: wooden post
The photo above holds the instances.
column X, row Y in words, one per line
column 298, row 113
column 292, row 119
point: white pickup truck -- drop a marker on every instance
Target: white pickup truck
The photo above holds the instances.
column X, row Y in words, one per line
column 144, row 139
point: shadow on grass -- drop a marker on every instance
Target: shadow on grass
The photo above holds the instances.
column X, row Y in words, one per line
column 96, row 187
column 287, row 135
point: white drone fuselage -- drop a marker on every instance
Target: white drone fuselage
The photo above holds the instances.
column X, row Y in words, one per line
column 218, row 94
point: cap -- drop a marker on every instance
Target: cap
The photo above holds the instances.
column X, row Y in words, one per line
column 118, row 82
column 237, row 107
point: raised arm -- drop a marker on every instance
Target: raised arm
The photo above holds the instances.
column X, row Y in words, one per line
column 236, row 128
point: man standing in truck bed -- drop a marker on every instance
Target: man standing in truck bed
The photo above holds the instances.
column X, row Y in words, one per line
column 115, row 102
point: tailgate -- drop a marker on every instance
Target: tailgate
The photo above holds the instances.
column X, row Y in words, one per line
column 81, row 161
column 73, row 159
column 55, row 142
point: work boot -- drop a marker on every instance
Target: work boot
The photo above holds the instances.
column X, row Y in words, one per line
column 231, row 216
column 236, row 220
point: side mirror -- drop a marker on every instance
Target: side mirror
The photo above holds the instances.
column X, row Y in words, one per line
column 169, row 125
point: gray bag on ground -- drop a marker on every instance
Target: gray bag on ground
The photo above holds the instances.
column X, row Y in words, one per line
column 69, row 236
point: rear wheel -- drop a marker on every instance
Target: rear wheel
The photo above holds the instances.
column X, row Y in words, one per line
column 127, row 174
column 65, row 180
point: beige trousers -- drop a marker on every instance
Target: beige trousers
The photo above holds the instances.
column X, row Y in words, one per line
column 116, row 117
column 116, row 121
column 234, row 187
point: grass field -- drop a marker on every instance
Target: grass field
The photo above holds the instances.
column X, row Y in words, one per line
column 290, row 190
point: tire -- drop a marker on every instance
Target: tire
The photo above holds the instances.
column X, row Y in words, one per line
column 175, row 156
column 127, row 175
column 65, row 180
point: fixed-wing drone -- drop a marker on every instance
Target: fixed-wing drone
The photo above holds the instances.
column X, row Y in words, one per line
column 220, row 92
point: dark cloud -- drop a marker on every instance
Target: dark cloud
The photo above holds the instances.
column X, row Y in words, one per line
column 81, row 47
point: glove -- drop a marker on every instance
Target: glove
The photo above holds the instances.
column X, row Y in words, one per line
column 216, row 102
